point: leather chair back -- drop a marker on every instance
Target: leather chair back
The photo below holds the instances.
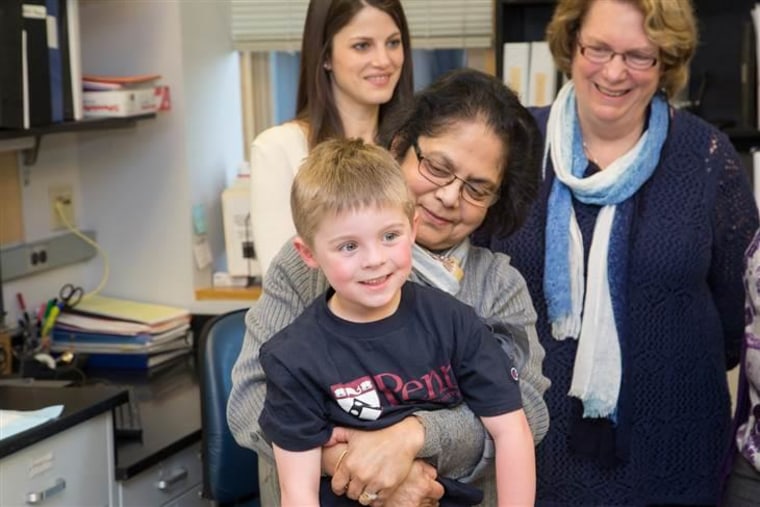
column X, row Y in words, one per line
column 230, row 472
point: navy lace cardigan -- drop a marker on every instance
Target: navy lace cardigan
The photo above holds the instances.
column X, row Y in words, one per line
column 683, row 327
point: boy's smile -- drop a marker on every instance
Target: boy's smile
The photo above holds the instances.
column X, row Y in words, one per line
column 366, row 255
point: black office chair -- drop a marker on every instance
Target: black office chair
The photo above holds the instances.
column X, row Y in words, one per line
column 230, row 472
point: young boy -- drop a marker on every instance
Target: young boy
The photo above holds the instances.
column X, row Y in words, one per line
column 376, row 349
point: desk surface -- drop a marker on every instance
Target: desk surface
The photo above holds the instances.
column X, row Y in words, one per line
column 169, row 401
column 79, row 405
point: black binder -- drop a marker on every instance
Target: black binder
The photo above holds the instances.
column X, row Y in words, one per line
column 34, row 15
column 11, row 77
column 63, row 41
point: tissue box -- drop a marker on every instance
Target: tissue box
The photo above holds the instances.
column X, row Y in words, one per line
column 127, row 102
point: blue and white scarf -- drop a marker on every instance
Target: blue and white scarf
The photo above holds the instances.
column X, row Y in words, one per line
column 597, row 372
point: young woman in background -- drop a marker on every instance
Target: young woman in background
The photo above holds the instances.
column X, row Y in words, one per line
column 356, row 66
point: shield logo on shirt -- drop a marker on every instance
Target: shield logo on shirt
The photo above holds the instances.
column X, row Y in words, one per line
column 359, row 398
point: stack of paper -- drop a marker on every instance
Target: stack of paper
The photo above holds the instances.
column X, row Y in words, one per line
column 16, row 421
column 119, row 333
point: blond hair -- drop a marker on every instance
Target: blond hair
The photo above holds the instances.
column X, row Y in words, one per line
column 344, row 175
column 669, row 24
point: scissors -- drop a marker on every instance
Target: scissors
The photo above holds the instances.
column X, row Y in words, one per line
column 70, row 295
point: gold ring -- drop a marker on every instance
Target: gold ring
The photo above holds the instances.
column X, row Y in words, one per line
column 367, row 498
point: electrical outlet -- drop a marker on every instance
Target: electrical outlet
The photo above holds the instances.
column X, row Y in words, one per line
column 37, row 257
column 61, row 199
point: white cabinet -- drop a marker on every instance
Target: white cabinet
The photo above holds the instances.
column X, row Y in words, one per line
column 175, row 481
column 191, row 498
column 72, row 468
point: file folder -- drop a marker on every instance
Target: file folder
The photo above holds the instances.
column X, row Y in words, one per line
column 516, row 68
column 542, row 84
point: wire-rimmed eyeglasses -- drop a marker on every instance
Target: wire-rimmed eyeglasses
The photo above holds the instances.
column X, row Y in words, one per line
column 474, row 193
column 632, row 59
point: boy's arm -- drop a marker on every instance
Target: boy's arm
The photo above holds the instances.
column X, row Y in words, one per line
column 299, row 474
column 515, row 459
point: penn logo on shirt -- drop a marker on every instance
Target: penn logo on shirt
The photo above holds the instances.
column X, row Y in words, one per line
column 359, row 398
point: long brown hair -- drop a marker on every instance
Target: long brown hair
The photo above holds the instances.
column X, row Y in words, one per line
column 315, row 104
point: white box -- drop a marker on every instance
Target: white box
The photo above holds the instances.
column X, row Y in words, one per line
column 128, row 102
column 236, row 216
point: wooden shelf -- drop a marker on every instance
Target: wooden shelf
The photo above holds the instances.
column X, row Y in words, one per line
column 35, row 134
column 228, row 293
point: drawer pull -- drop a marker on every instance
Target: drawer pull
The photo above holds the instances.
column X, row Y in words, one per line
column 39, row 497
column 177, row 476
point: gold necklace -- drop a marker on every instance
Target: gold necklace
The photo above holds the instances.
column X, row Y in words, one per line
column 590, row 155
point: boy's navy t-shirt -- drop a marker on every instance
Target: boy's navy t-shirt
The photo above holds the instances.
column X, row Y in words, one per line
column 434, row 352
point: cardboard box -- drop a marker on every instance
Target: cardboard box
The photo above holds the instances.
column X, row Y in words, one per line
column 127, row 102
column 6, row 354
column 11, row 216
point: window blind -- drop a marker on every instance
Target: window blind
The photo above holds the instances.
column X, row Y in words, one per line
column 277, row 25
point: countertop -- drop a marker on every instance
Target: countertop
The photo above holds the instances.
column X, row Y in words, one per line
column 79, row 405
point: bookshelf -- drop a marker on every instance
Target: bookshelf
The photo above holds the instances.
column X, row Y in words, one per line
column 228, row 293
column 87, row 124
column 136, row 188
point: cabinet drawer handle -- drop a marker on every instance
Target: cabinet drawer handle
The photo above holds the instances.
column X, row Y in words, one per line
column 177, row 476
column 39, row 497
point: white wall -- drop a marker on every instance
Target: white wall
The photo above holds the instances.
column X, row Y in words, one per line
column 136, row 187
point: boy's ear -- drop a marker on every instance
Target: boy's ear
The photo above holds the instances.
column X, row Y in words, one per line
column 305, row 252
column 415, row 224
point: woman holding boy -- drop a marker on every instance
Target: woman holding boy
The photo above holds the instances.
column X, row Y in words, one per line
column 470, row 154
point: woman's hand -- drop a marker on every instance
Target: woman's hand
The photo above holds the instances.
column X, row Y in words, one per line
column 419, row 489
column 375, row 462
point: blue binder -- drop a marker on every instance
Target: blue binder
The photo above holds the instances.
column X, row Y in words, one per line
column 55, row 43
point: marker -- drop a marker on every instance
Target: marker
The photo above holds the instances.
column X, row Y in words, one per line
column 50, row 304
column 50, row 321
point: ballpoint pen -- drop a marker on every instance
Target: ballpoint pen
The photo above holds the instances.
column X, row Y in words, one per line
column 22, row 305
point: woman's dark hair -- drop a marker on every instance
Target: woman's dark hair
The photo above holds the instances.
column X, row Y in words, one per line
column 315, row 103
column 471, row 95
